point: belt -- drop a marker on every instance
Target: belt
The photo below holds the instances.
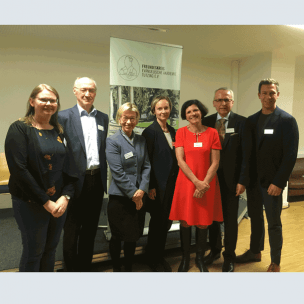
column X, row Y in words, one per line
column 92, row 172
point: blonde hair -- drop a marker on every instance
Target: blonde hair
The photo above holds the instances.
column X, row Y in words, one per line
column 128, row 106
column 156, row 99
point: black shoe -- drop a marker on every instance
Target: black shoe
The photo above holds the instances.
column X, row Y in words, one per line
column 248, row 256
column 166, row 265
column 199, row 262
column 211, row 257
column 228, row 266
column 156, row 267
column 184, row 264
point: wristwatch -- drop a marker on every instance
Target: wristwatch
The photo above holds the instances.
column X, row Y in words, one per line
column 67, row 197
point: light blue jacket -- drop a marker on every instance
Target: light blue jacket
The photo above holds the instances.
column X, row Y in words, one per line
column 129, row 164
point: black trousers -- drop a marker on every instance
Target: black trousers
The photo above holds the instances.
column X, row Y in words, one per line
column 81, row 225
column 230, row 205
column 255, row 212
column 157, row 236
column 273, row 209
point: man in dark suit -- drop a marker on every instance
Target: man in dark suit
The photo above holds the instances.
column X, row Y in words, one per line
column 86, row 130
column 231, row 175
column 272, row 138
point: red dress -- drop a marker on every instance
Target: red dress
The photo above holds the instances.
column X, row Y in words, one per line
column 196, row 211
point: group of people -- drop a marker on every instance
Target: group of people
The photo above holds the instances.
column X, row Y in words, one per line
column 58, row 166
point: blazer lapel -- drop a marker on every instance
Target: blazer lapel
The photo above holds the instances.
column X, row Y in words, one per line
column 100, row 129
column 77, row 126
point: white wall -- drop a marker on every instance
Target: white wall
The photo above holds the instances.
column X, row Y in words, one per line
column 298, row 102
column 26, row 62
column 251, row 71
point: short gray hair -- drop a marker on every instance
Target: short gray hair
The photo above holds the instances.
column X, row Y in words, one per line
column 79, row 78
column 225, row 89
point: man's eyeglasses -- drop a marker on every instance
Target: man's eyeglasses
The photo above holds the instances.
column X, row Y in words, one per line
column 221, row 100
column 84, row 90
column 46, row 100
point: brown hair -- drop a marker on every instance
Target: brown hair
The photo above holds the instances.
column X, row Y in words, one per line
column 29, row 115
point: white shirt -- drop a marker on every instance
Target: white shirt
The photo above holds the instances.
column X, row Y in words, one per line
column 89, row 129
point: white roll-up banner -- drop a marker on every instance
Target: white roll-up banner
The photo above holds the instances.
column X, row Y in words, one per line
column 140, row 71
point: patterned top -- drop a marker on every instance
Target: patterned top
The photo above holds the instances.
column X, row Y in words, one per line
column 52, row 153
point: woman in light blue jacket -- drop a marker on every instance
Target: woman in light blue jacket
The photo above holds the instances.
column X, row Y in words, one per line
column 128, row 160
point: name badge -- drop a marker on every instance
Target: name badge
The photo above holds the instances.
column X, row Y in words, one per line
column 198, row 144
column 128, row 155
column 229, row 130
column 268, row 131
column 100, row 128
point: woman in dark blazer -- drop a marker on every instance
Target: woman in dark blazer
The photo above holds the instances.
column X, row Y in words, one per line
column 160, row 139
column 128, row 159
column 41, row 182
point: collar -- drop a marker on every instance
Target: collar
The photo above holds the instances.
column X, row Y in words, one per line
column 218, row 116
column 126, row 136
column 83, row 112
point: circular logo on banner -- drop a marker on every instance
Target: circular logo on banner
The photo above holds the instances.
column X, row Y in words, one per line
column 128, row 67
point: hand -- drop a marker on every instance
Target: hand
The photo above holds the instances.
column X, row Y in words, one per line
column 50, row 206
column 139, row 204
column 274, row 190
column 202, row 186
column 61, row 205
column 138, row 195
column 152, row 194
column 198, row 194
column 239, row 189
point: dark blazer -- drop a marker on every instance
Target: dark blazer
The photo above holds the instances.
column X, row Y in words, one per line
column 163, row 159
column 70, row 120
column 130, row 165
column 23, row 157
column 232, row 161
column 273, row 157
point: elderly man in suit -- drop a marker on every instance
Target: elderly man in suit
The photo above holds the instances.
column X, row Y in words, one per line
column 86, row 130
column 231, row 175
column 272, row 142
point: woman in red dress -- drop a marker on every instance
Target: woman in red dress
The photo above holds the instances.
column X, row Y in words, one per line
column 197, row 199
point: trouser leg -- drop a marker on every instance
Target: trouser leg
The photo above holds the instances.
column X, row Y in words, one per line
column 55, row 227
column 115, row 249
column 33, row 221
column 273, row 208
column 255, row 212
column 129, row 251
column 215, row 241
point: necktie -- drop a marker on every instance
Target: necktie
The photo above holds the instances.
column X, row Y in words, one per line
column 221, row 129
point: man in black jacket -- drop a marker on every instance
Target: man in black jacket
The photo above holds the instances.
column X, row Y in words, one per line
column 231, row 175
column 272, row 138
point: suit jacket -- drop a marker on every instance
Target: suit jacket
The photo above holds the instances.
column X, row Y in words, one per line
column 70, row 120
column 23, row 155
column 162, row 157
column 232, row 161
column 130, row 165
column 273, row 156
